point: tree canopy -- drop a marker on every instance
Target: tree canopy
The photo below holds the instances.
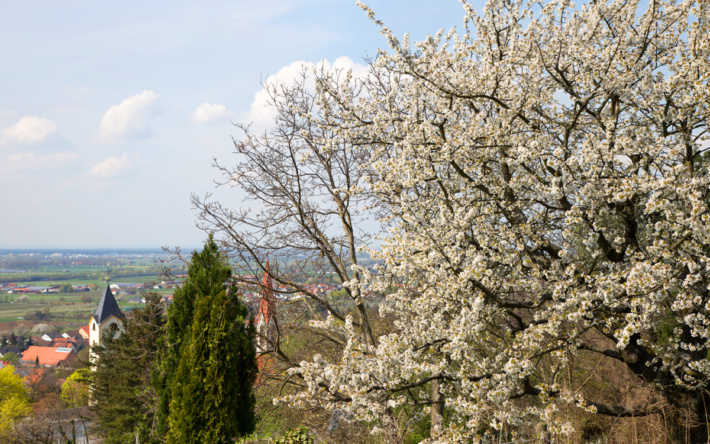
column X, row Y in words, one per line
column 211, row 399
column 207, row 274
column 75, row 390
column 546, row 200
column 123, row 398
column 14, row 399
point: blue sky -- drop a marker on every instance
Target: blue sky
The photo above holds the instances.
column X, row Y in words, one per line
column 111, row 112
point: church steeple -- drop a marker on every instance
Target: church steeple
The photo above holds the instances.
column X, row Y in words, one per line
column 266, row 317
column 108, row 316
column 267, row 306
column 107, row 307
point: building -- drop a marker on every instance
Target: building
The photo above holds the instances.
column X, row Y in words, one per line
column 266, row 316
column 48, row 356
column 107, row 318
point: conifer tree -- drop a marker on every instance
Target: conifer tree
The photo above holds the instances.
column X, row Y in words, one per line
column 212, row 399
column 123, row 398
column 207, row 273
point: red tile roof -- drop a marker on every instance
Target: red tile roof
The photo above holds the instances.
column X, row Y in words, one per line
column 48, row 355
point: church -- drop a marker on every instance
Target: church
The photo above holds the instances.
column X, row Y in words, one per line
column 108, row 317
column 266, row 316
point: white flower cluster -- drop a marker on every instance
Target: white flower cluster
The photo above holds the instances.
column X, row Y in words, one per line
column 544, row 180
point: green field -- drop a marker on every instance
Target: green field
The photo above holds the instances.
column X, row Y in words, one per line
column 63, row 311
column 70, row 310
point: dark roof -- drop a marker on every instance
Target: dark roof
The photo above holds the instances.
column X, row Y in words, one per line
column 107, row 307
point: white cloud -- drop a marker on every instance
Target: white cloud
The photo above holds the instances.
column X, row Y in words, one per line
column 261, row 115
column 29, row 131
column 32, row 161
column 111, row 166
column 131, row 118
column 207, row 113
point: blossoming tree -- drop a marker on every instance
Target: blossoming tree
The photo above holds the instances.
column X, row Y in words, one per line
column 548, row 195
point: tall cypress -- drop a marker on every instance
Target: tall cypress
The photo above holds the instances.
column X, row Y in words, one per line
column 212, row 399
column 204, row 291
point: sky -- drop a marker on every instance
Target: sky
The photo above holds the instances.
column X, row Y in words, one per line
column 111, row 112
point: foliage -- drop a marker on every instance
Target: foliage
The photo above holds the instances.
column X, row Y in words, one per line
column 14, row 400
column 75, row 390
column 544, row 196
column 41, row 383
column 207, row 274
column 123, row 398
column 11, row 357
column 295, row 436
column 211, row 392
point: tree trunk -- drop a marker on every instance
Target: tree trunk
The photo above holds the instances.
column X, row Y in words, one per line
column 437, row 408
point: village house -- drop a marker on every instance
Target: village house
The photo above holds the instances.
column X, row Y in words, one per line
column 48, row 356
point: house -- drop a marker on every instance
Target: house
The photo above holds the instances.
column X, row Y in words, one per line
column 51, row 336
column 48, row 356
column 127, row 287
column 171, row 284
column 65, row 342
column 73, row 334
column 39, row 340
column 84, row 332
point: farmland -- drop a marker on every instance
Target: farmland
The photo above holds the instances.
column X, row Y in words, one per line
column 60, row 272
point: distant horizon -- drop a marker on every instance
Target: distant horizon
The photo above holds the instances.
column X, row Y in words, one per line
column 88, row 249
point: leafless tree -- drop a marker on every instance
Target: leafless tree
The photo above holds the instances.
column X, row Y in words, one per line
column 305, row 207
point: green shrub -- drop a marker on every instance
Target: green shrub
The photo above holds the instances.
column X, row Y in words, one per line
column 295, row 436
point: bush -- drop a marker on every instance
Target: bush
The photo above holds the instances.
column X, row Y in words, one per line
column 295, row 436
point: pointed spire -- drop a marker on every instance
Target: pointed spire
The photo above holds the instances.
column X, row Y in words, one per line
column 267, row 288
column 107, row 307
column 267, row 307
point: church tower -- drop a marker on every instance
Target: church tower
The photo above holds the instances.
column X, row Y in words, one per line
column 108, row 317
column 266, row 317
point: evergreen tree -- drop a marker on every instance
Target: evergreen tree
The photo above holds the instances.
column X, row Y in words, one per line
column 207, row 273
column 123, row 398
column 212, row 399
column 211, row 390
